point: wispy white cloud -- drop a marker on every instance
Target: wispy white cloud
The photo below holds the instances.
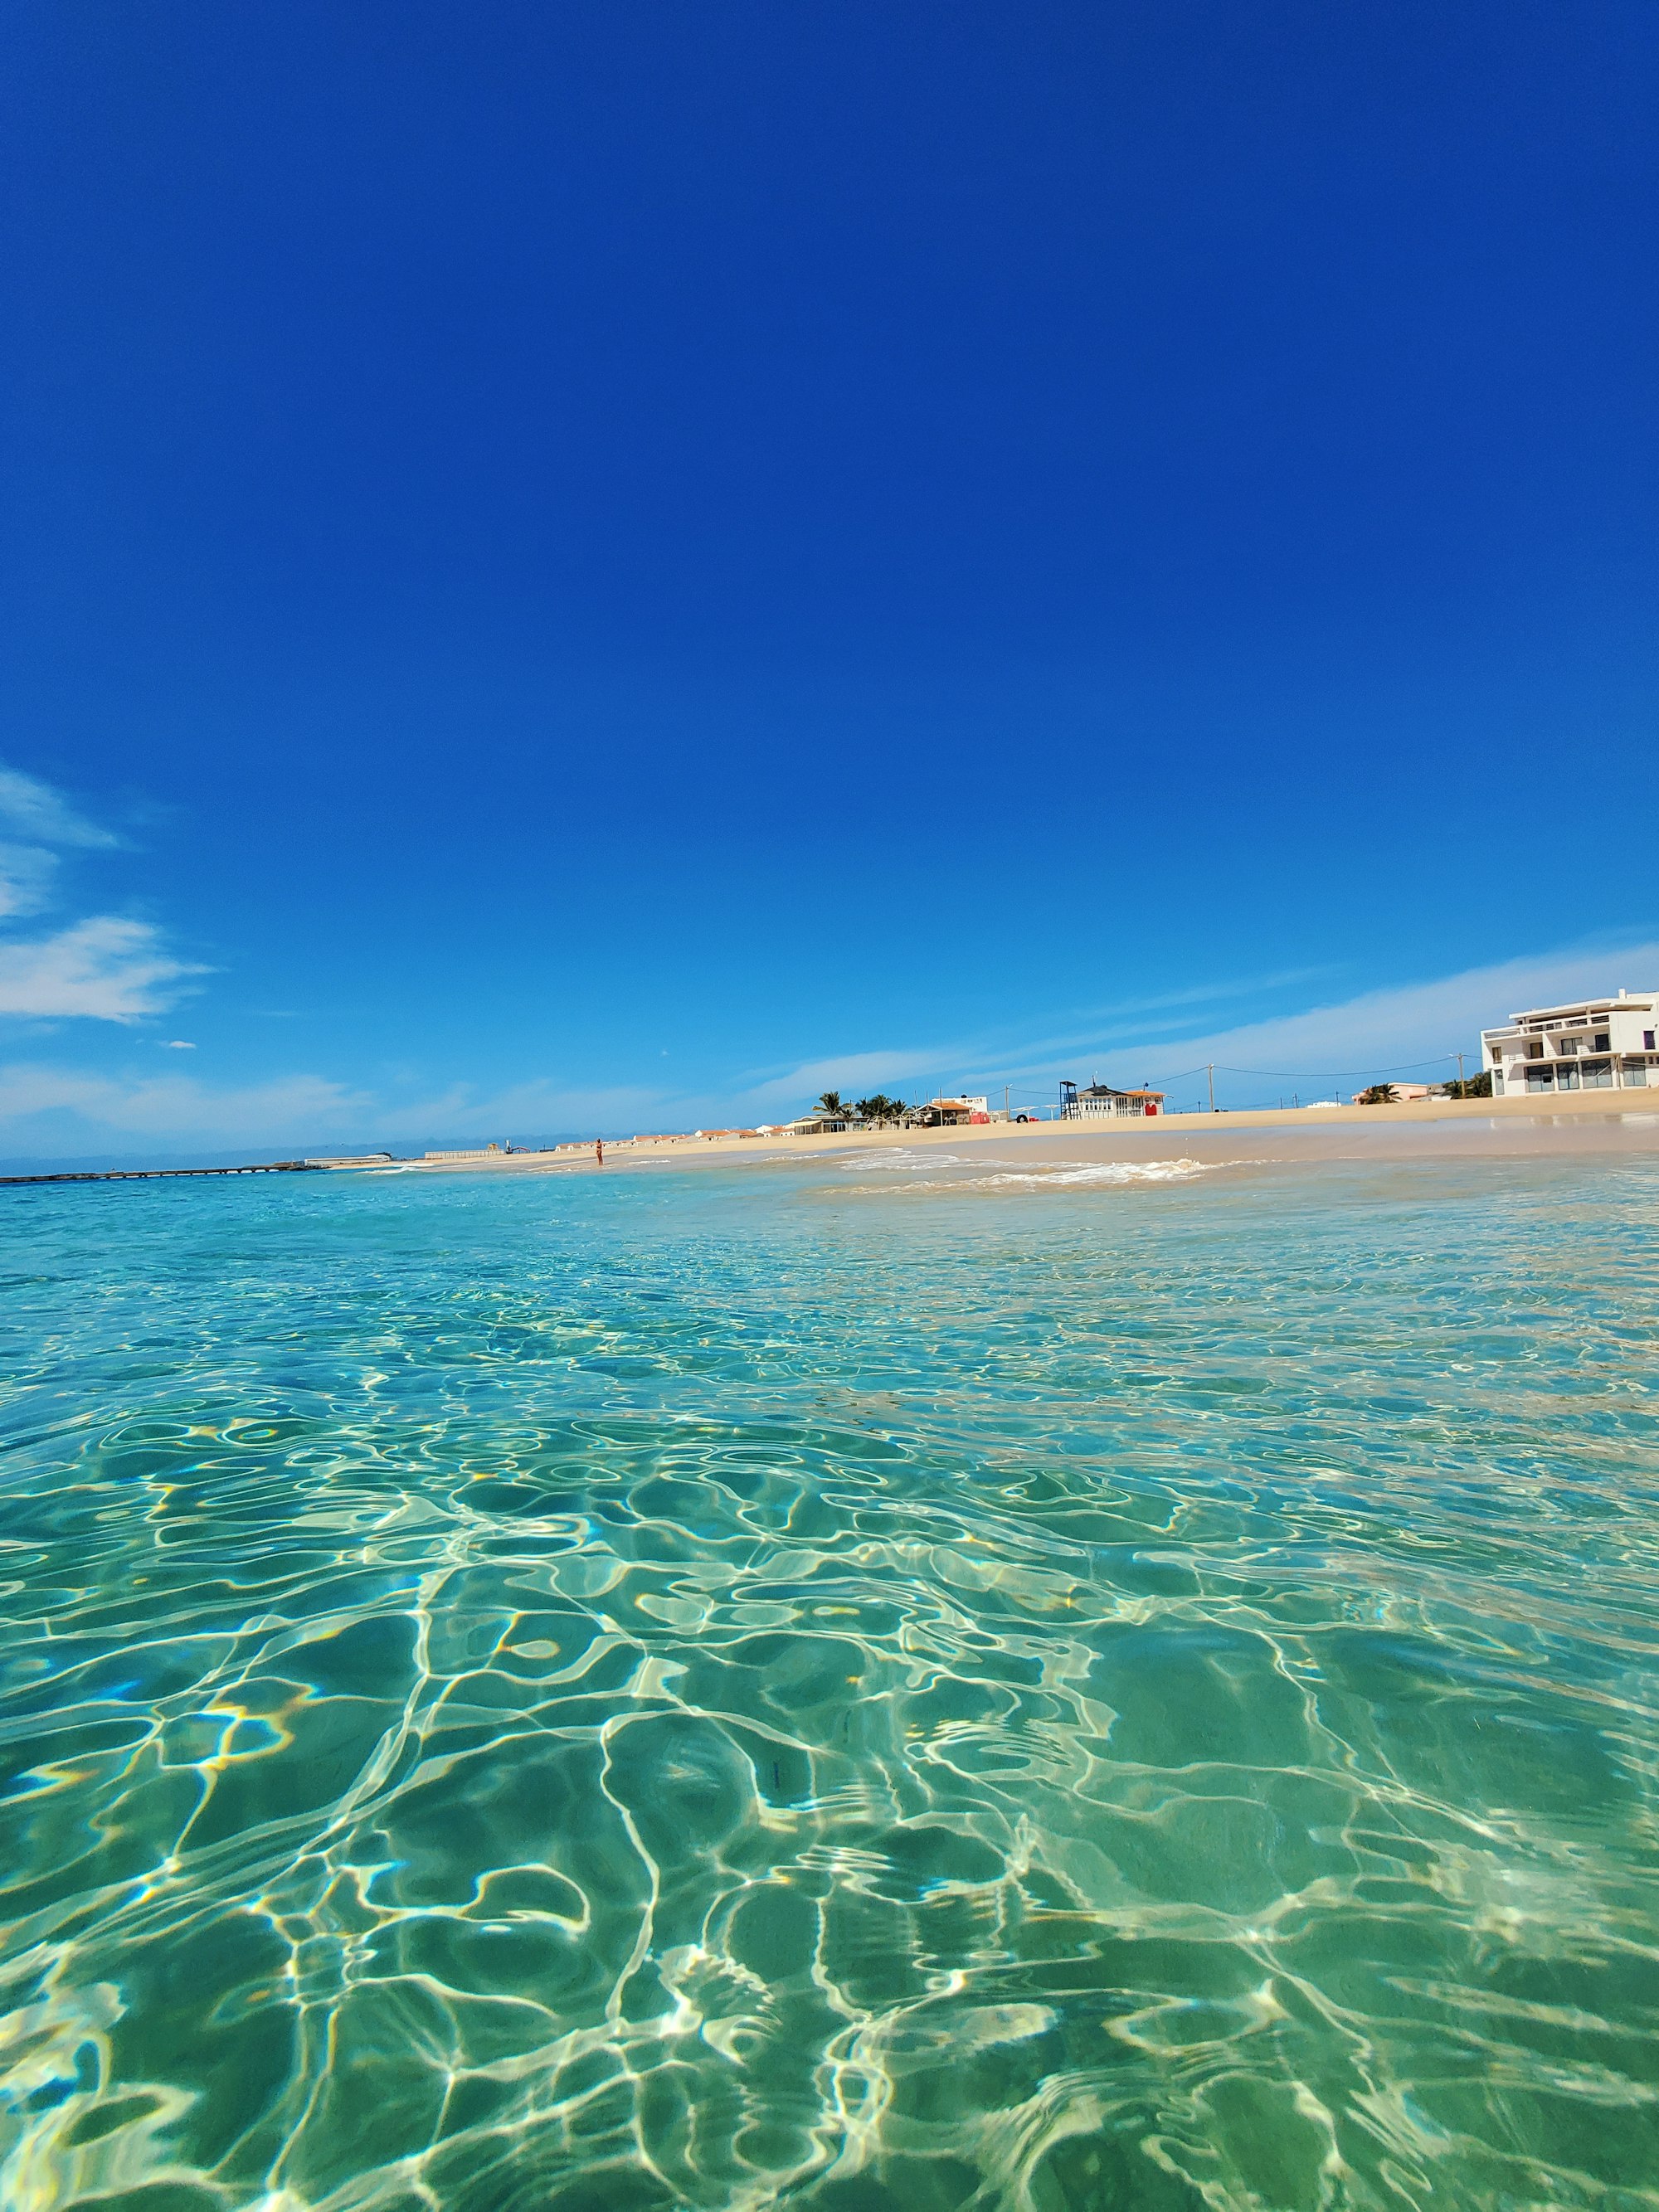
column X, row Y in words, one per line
column 62, row 1111
column 106, row 968
column 1404, row 1026
column 26, row 877
column 973, row 1060
column 32, row 810
column 849, row 1072
column 34, row 819
column 1086, row 1022
column 1409, row 1024
column 50, row 1112
column 523, row 1109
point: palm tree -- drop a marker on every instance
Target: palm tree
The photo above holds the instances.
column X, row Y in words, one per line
column 1380, row 1094
column 878, row 1108
column 831, row 1105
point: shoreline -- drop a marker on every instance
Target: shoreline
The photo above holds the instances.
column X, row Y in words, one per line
column 1593, row 1109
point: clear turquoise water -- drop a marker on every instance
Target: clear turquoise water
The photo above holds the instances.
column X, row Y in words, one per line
column 848, row 1688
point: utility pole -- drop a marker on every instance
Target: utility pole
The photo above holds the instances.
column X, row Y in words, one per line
column 1210, row 1071
column 1459, row 1075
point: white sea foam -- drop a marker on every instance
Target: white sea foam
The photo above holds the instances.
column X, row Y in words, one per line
column 1104, row 1172
column 901, row 1159
column 1058, row 1174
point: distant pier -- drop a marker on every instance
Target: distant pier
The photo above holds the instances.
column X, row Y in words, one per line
column 160, row 1175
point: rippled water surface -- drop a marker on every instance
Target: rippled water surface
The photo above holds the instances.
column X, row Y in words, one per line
column 914, row 1685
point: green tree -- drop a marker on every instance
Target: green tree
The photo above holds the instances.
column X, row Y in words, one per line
column 878, row 1110
column 1380, row 1094
column 831, row 1104
column 1477, row 1086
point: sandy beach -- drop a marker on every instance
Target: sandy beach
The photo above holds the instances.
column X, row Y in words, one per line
column 1614, row 1121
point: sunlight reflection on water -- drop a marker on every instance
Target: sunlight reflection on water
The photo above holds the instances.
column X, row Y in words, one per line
column 714, row 1688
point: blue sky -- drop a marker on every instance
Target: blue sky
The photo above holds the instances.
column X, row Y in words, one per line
column 606, row 566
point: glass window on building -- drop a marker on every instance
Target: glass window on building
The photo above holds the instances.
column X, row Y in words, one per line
column 1636, row 1074
column 1602, row 1042
column 1539, row 1078
column 1598, row 1075
column 1566, row 1079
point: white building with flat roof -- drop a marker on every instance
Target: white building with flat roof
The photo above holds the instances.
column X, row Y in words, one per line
column 1595, row 1044
column 1100, row 1102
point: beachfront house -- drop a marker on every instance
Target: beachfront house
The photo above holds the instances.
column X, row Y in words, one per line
column 1098, row 1101
column 952, row 1112
column 815, row 1124
column 1594, row 1044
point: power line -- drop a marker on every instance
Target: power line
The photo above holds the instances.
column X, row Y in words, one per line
column 1308, row 1074
column 1287, row 1074
column 1344, row 1074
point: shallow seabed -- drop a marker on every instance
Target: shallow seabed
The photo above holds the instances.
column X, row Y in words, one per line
column 861, row 1685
